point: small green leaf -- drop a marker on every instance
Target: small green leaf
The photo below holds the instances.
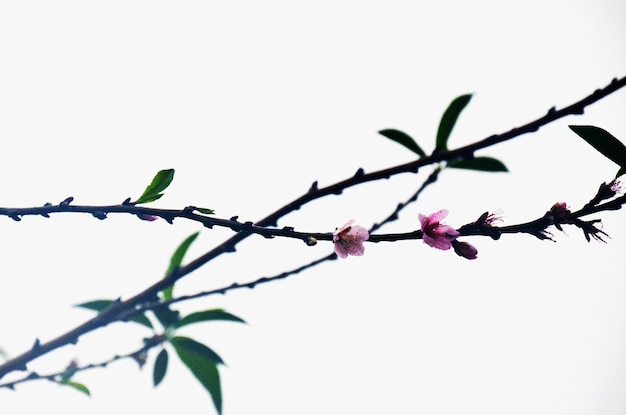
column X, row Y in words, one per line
column 176, row 260
column 404, row 139
column 202, row 363
column 78, row 386
column 160, row 367
column 205, row 211
column 449, row 119
column 96, row 305
column 605, row 143
column 479, row 163
column 101, row 305
column 159, row 183
column 208, row 315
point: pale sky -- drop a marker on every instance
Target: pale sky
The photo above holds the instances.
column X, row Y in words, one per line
column 251, row 102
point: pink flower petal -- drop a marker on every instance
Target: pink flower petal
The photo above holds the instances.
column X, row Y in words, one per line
column 438, row 216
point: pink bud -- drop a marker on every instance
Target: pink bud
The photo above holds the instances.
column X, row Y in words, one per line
column 465, row 249
column 149, row 218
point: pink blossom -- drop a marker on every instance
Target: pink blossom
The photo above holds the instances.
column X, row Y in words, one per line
column 436, row 234
column 348, row 240
column 616, row 186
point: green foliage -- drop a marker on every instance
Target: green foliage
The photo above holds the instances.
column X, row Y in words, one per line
column 202, row 362
column 159, row 183
column 487, row 164
column 205, row 210
column 101, row 305
column 609, row 146
column 78, row 386
column 160, row 367
column 176, row 260
column 208, row 315
column 403, row 139
column 448, row 120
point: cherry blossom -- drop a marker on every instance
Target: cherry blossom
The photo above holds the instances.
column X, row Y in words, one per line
column 348, row 240
column 436, row 234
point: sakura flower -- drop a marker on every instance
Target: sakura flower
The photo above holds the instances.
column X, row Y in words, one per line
column 436, row 234
column 348, row 240
column 616, row 186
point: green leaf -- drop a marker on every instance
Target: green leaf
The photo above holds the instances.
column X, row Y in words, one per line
column 205, row 211
column 78, row 386
column 159, row 183
column 176, row 260
column 449, row 119
column 605, row 143
column 166, row 316
column 202, row 363
column 479, row 163
column 101, row 305
column 404, row 139
column 160, row 367
column 208, row 315
column 198, row 348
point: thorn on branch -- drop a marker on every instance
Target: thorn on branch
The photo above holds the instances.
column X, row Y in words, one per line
column 126, row 202
column 359, row 173
column 313, row 187
column 140, row 357
column 36, row 345
column 16, row 218
column 551, row 111
column 67, row 201
column 98, row 214
column 233, row 218
column 44, row 214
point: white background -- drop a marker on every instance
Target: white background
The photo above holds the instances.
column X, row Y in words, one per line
column 251, row 102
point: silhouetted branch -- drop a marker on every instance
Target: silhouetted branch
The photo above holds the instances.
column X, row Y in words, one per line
column 263, row 226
